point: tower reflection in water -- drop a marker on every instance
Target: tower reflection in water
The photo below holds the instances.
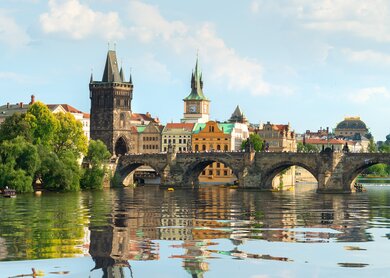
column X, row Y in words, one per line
column 198, row 219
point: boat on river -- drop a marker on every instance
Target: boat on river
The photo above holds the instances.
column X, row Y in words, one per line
column 9, row 193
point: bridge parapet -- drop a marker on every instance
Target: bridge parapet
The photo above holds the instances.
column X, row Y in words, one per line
column 334, row 172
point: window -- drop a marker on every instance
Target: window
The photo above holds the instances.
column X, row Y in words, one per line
column 218, row 172
column 226, row 148
column 218, row 147
column 165, row 141
column 218, row 165
column 179, row 141
column 196, row 148
column 203, row 172
column 203, row 147
column 225, row 172
column 210, row 172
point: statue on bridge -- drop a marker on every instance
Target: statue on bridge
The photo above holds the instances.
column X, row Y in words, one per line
column 346, row 148
column 171, row 148
column 249, row 147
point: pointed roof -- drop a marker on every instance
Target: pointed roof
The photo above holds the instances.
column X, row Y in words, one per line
column 196, row 84
column 238, row 116
column 122, row 76
column 111, row 71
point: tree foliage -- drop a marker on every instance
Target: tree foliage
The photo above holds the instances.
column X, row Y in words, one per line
column 256, row 141
column 96, row 158
column 42, row 146
column 43, row 124
column 15, row 126
column 371, row 146
column 69, row 136
column 59, row 174
column 19, row 161
column 307, row 148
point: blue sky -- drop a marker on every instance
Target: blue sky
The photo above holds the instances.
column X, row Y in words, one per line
column 310, row 63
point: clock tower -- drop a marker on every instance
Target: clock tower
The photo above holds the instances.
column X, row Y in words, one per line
column 196, row 105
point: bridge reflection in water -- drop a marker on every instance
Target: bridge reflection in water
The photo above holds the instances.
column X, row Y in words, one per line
column 140, row 219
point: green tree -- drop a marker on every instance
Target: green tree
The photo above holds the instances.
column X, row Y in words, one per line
column 96, row 159
column 19, row 161
column 69, row 136
column 371, row 146
column 14, row 126
column 256, row 141
column 385, row 148
column 43, row 123
column 307, row 148
column 59, row 174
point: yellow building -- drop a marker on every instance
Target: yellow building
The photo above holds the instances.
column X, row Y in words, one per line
column 209, row 137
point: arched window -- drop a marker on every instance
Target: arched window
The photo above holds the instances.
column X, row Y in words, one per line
column 203, row 147
column 196, row 148
column 226, row 148
column 218, row 147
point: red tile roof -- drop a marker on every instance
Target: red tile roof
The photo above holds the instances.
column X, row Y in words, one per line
column 186, row 126
column 317, row 141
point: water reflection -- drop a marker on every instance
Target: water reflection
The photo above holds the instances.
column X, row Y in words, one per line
column 139, row 218
column 194, row 228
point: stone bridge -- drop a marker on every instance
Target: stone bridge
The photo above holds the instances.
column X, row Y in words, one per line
column 334, row 172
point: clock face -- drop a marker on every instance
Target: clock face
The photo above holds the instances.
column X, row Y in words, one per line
column 192, row 108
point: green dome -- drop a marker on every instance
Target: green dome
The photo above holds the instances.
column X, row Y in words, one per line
column 352, row 123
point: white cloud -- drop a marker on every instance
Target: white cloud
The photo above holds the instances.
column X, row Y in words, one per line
column 14, row 77
column 255, row 6
column 369, row 56
column 150, row 24
column 78, row 21
column 239, row 73
column 11, row 33
column 150, row 65
column 369, row 19
column 366, row 94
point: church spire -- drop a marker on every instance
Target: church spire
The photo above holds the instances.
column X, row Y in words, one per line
column 196, row 84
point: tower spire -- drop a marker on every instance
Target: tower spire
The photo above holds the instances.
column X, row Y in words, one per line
column 122, row 75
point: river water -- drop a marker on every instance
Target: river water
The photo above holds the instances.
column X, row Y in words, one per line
column 209, row 232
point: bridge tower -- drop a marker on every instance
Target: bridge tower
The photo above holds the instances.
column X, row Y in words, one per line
column 111, row 107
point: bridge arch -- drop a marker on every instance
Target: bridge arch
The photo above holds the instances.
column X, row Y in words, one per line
column 356, row 169
column 125, row 175
column 278, row 168
column 193, row 170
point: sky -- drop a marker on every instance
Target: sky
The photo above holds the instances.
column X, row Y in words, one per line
column 303, row 62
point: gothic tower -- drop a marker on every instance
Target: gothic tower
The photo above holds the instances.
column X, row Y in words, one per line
column 111, row 107
column 196, row 105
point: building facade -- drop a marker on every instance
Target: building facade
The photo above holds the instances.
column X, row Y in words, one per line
column 209, row 137
column 277, row 137
column 177, row 135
